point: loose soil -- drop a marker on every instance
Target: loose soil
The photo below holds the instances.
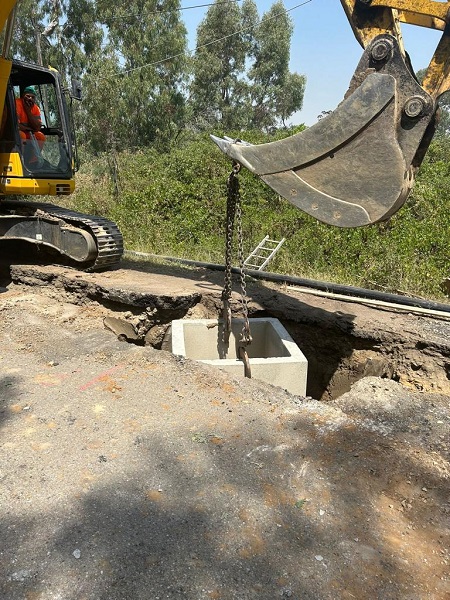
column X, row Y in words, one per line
column 130, row 473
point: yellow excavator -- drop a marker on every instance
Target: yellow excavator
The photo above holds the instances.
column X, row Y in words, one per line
column 41, row 160
column 357, row 165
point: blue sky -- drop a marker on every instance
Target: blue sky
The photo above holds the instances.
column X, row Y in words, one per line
column 325, row 50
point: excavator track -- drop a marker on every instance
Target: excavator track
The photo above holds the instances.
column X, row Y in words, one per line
column 105, row 233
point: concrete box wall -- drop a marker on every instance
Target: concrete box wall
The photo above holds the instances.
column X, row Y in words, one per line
column 274, row 356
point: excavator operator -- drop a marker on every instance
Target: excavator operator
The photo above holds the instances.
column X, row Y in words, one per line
column 30, row 123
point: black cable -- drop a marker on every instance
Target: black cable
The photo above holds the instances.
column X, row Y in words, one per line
column 324, row 286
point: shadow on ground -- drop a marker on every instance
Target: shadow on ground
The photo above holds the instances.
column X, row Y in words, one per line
column 272, row 498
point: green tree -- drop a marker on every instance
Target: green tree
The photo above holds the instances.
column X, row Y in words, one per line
column 59, row 33
column 29, row 42
column 241, row 75
column 219, row 89
column 275, row 92
column 139, row 90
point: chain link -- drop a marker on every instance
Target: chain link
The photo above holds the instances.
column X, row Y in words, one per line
column 233, row 192
column 245, row 338
column 234, row 213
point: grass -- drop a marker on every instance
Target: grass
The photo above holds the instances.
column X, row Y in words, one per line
column 175, row 204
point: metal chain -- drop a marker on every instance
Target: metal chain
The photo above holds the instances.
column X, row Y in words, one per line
column 233, row 191
column 234, row 212
column 245, row 338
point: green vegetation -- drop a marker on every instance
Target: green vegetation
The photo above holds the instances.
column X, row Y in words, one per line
column 148, row 166
column 174, row 204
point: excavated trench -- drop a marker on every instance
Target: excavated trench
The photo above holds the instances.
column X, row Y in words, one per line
column 336, row 360
column 341, row 347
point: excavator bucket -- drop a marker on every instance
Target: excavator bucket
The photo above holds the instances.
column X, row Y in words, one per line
column 355, row 166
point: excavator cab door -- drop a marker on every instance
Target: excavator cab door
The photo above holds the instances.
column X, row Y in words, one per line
column 48, row 153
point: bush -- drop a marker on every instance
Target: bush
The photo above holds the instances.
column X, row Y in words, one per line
column 175, row 204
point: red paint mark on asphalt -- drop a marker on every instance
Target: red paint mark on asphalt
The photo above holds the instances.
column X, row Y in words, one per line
column 100, row 377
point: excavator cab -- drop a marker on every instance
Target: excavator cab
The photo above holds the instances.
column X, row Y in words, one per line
column 40, row 162
column 357, row 165
column 39, row 158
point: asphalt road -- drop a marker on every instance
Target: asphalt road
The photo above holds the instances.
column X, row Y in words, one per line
column 129, row 473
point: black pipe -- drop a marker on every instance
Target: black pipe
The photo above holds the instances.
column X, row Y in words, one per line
column 334, row 288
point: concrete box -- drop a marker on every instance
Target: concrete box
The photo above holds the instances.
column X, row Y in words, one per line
column 274, row 356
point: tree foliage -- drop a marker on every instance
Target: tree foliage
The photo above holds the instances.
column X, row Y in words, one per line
column 59, row 33
column 149, row 96
column 141, row 88
column 241, row 76
column 219, row 89
column 275, row 92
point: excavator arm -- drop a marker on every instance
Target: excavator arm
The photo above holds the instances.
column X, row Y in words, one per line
column 357, row 165
column 7, row 8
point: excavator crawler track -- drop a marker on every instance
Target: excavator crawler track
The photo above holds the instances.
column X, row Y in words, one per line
column 106, row 235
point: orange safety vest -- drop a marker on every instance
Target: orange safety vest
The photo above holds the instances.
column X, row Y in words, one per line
column 22, row 115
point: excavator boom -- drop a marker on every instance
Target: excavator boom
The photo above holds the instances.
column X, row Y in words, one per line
column 357, row 165
column 7, row 9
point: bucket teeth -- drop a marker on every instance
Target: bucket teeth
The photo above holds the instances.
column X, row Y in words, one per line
column 227, row 144
column 233, row 148
column 223, row 143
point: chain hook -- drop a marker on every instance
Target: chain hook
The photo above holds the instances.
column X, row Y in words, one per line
column 236, row 167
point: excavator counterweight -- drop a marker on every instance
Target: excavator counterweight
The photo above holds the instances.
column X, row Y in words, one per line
column 357, row 165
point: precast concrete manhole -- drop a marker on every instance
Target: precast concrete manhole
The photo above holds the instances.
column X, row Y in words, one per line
column 334, row 357
column 274, row 357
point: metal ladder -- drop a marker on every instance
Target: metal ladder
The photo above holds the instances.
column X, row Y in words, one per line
column 263, row 253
